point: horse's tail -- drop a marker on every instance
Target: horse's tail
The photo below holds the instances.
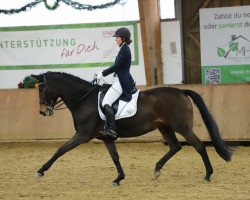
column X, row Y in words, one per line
column 220, row 145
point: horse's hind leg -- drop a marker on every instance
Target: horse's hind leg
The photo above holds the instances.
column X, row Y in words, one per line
column 174, row 145
column 193, row 140
column 72, row 143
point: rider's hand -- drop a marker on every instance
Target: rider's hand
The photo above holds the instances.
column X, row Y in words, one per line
column 99, row 75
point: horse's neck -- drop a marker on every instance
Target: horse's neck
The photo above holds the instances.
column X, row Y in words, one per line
column 71, row 91
column 69, row 85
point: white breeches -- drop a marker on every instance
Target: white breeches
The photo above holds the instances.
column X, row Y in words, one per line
column 113, row 93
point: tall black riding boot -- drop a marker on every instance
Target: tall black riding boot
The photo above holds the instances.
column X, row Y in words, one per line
column 109, row 131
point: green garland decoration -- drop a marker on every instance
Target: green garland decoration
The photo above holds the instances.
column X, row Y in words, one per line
column 78, row 6
column 55, row 6
column 22, row 9
column 74, row 4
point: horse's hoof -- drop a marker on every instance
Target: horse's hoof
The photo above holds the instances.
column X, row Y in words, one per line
column 157, row 174
column 37, row 174
column 207, row 179
column 115, row 184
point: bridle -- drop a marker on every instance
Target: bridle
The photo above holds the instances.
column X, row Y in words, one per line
column 56, row 105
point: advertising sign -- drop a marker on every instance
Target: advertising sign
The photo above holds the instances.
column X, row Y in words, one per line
column 62, row 46
column 225, row 45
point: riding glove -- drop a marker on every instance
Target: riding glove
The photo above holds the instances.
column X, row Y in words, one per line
column 99, row 75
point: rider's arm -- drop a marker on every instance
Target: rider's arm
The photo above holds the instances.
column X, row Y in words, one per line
column 120, row 60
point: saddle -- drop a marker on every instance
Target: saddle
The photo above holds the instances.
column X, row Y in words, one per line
column 122, row 109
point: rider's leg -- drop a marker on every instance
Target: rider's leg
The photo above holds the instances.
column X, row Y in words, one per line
column 110, row 127
column 114, row 92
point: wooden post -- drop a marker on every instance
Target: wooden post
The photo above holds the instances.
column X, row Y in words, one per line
column 151, row 40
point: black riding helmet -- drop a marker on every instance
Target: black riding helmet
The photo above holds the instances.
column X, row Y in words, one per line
column 122, row 32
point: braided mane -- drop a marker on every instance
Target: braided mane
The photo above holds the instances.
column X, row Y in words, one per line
column 69, row 76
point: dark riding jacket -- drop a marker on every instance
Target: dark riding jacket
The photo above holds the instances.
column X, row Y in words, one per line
column 121, row 68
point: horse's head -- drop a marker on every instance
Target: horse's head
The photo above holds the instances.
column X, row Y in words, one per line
column 47, row 97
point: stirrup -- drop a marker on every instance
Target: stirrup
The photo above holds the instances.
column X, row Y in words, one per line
column 108, row 134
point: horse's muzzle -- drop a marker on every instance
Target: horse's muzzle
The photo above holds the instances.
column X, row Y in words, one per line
column 42, row 113
column 46, row 110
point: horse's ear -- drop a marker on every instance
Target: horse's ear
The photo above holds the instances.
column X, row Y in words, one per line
column 37, row 77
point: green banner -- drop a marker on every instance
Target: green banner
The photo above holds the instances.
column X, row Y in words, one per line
column 225, row 45
column 225, row 74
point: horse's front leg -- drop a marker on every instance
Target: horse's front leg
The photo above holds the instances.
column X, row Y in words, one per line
column 115, row 157
column 75, row 141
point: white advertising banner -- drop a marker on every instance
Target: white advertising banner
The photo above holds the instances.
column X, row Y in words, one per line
column 62, row 46
column 225, row 44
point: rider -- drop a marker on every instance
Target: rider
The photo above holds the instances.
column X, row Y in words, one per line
column 123, row 82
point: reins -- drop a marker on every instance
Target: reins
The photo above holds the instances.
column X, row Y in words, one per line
column 80, row 99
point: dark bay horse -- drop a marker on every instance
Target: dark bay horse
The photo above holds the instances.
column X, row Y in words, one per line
column 167, row 109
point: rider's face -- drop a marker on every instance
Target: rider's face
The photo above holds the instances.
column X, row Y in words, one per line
column 118, row 40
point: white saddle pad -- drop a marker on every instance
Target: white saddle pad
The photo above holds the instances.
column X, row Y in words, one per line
column 125, row 109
